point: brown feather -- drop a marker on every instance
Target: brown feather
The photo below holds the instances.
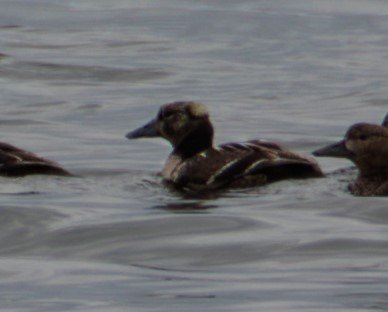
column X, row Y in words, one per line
column 16, row 162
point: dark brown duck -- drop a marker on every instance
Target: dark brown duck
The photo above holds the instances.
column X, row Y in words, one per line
column 366, row 145
column 195, row 164
column 15, row 162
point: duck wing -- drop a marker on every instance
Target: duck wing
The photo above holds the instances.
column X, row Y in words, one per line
column 251, row 145
column 13, row 154
column 16, row 162
column 268, row 162
column 245, row 164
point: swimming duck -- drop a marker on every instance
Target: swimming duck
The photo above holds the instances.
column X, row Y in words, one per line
column 366, row 145
column 196, row 165
column 385, row 121
column 15, row 162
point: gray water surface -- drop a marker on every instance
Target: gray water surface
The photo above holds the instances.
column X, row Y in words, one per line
column 75, row 76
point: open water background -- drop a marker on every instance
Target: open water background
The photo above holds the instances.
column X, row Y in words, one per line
column 75, row 76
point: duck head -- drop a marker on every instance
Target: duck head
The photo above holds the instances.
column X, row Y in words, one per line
column 185, row 125
column 364, row 144
column 385, row 121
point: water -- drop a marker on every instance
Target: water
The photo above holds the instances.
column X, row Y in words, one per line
column 75, row 76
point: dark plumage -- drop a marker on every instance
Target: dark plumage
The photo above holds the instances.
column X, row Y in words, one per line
column 385, row 121
column 15, row 162
column 366, row 145
column 195, row 164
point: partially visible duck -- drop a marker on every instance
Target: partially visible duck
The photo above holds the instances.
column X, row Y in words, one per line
column 195, row 164
column 366, row 145
column 385, row 121
column 15, row 162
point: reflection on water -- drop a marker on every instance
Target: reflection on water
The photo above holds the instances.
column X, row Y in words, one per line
column 190, row 207
column 75, row 79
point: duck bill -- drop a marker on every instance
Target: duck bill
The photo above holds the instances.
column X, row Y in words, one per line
column 334, row 150
column 385, row 121
column 149, row 130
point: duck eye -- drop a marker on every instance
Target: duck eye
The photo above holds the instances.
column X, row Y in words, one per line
column 168, row 114
column 163, row 114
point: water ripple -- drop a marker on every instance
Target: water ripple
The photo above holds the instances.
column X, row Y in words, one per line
column 53, row 71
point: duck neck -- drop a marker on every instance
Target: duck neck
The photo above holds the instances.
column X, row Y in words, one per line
column 198, row 140
column 377, row 174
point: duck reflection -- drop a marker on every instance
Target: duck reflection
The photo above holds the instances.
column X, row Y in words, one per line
column 185, row 207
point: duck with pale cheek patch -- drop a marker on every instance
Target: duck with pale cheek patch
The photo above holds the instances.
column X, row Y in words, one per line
column 196, row 165
column 366, row 145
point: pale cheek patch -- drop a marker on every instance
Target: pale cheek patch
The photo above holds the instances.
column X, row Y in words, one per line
column 177, row 125
column 198, row 110
column 350, row 145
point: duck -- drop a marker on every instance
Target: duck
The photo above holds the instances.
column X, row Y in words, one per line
column 16, row 162
column 385, row 121
column 195, row 164
column 366, row 145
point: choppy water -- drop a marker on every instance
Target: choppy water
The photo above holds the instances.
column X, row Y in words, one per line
column 75, row 76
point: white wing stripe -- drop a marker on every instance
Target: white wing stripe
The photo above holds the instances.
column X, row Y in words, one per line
column 255, row 164
column 221, row 170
